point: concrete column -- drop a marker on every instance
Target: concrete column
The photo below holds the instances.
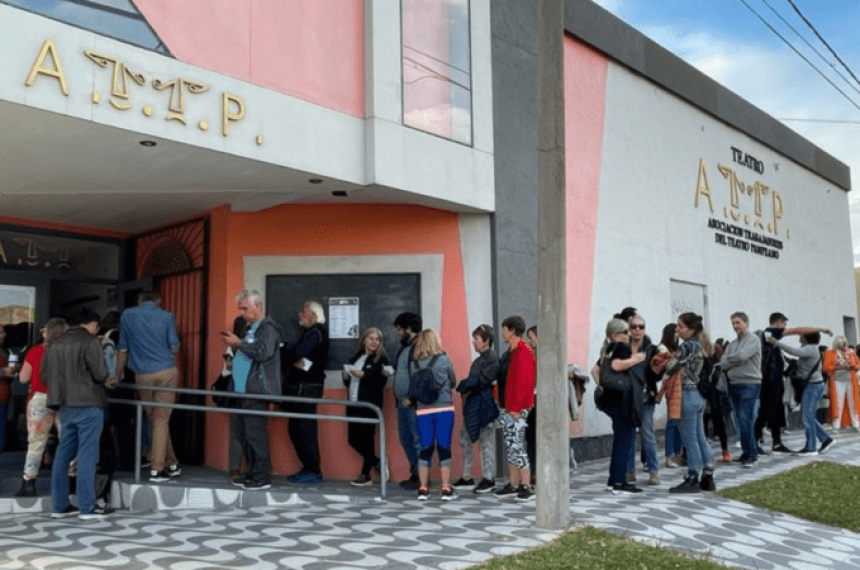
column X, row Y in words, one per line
column 553, row 504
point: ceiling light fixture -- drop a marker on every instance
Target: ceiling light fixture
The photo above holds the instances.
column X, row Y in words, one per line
column 339, row 193
column 148, row 144
column 316, row 181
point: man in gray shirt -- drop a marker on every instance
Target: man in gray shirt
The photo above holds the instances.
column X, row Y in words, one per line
column 408, row 325
column 741, row 363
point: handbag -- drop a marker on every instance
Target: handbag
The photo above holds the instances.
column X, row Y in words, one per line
column 799, row 383
column 223, row 384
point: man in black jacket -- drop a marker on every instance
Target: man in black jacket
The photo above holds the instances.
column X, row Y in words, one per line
column 75, row 372
column 307, row 360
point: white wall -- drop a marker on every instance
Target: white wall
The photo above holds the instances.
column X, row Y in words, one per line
column 651, row 232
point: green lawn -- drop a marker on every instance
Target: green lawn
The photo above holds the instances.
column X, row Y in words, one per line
column 592, row 549
column 823, row 492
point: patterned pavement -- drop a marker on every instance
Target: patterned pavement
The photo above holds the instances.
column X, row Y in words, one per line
column 342, row 528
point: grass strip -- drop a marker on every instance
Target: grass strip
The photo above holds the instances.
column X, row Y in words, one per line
column 592, row 549
column 822, row 492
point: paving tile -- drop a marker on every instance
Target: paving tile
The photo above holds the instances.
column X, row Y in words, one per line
column 333, row 527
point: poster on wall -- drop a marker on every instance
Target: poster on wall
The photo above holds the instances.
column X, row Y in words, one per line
column 343, row 317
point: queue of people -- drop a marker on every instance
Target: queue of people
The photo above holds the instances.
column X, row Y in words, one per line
column 69, row 371
column 743, row 379
column 69, row 374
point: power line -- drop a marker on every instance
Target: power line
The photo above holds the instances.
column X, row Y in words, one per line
column 808, row 23
column 803, row 57
column 818, row 53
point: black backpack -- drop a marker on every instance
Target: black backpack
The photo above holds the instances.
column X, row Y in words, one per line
column 772, row 362
column 422, row 383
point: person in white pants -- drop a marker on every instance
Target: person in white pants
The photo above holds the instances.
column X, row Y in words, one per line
column 842, row 364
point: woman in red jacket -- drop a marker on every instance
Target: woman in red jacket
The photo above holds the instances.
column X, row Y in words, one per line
column 519, row 399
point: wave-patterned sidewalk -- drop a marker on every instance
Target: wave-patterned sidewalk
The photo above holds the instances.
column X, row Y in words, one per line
column 353, row 530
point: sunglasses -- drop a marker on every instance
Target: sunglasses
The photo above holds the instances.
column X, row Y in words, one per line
column 637, row 327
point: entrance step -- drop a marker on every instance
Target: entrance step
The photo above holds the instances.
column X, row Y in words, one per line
column 197, row 488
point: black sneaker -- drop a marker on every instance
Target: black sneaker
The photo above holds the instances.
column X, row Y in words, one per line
column 174, row 470
column 252, row 485
column 526, row 495
column 690, row 484
column 781, row 449
column 28, row 488
column 625, row 489
column 707, row 482
column 507, row 492
column 749, row 463
column 462, row 483
column 239, row 481
column 410, row 484
column 362, row 481
column 96, row 514
column 826, row 445
column 159, row 476
column 423, row 494
column 806, row 453
column 69, row 512
column 448, row 494
column 741, row 458
column 485, row 486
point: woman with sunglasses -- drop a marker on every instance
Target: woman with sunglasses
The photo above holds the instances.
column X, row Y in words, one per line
column 640, row 343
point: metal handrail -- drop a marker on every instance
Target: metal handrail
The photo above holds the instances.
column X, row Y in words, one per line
column 140, row 404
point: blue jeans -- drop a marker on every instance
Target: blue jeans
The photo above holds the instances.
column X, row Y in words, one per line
column 809, row 406
column 648, row 441
column 744, row 400
column 673, row 437
column 623, row 439
column 693, row 431
column 407, row 429
column 82, row 428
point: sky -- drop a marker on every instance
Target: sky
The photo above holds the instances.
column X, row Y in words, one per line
column 726, row 41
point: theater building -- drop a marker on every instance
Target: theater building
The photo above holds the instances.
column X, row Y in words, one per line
column 379, row 156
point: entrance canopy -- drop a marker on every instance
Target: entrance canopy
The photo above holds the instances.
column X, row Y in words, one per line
column 100, row 134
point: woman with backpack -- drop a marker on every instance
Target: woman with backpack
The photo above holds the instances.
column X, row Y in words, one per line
column 431, row 374
column 690, row 361
column 365, row 375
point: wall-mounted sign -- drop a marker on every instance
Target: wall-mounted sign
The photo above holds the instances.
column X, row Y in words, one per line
column 170, row 96
column 343, row 317
column 752, row 213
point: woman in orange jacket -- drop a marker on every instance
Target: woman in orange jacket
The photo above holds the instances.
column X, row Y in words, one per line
column 842, row 364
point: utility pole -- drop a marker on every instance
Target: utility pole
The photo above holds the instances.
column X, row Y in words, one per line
column 553, row 442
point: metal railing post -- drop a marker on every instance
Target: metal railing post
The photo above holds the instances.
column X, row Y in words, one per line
column 138, row 436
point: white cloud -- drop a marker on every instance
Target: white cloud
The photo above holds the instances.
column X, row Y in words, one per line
column 784, row 86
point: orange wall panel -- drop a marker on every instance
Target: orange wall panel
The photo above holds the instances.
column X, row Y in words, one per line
column 319, row 230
